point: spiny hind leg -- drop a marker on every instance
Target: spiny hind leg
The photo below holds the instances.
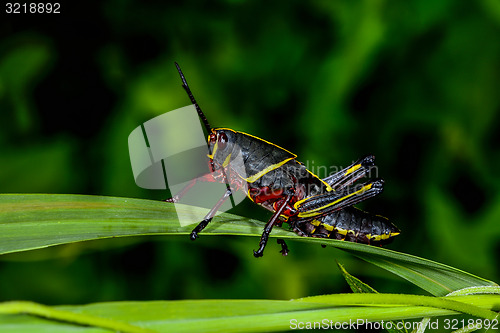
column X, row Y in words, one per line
column 325, row 203
column 351, row 174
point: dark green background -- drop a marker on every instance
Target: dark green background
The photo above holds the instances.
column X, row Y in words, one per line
column 416, row 83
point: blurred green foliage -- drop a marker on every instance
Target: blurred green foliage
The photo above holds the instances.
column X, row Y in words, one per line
column 414, row 82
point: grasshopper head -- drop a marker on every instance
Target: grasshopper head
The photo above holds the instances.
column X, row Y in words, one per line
column 221, row 145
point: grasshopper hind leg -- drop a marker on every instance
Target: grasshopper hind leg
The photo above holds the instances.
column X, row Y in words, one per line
column 352, row 173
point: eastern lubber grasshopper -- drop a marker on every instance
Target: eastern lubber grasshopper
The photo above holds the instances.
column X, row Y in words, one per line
column 271, row 177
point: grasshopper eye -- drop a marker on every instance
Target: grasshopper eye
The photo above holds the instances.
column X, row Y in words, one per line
column 212, row 138
column 222, row 141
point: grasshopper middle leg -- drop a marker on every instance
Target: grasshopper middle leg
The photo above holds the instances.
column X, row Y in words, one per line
column 269, row 226
column 210, row 215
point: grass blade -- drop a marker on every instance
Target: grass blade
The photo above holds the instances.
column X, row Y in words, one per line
column 358, row 286
column 31, row 221
column 240, row 315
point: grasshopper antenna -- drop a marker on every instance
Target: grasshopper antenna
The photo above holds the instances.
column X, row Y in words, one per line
column 193, row 100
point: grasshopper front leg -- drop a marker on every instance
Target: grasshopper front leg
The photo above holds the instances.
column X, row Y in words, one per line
column 178, row 196
column 213, row 177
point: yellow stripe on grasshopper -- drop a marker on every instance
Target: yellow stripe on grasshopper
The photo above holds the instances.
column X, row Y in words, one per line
column 352, row 169
column 319, row 210
column 226, row 161
column 211, row 156
column 342, row 232
column 328, row 187
column 327, row 226
column 272, row 167
column 382, row 236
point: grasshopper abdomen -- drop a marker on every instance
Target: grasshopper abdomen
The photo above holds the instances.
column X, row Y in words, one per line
column 350, row 224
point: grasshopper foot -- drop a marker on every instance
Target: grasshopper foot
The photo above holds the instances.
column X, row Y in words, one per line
column 259, row 253
column 284, row 248
column 199, row 228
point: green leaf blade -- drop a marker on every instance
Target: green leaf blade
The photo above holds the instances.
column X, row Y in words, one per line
column 357, row 286
column 436, row 278
column 242, row 315
column 32, row 221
